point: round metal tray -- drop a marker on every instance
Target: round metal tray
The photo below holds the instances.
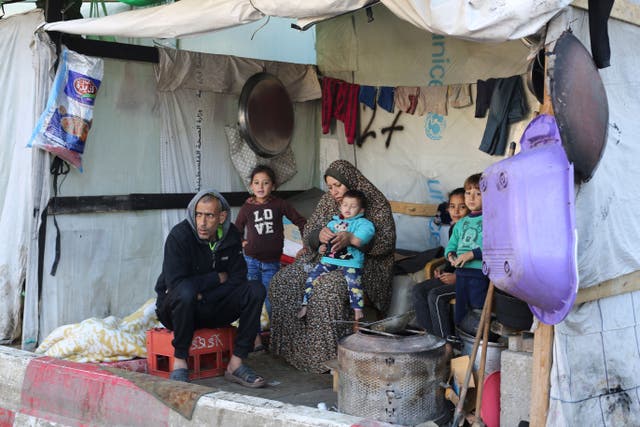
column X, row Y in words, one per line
column 265, row 115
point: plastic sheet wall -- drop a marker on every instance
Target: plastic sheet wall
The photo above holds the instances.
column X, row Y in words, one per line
column 109, row 261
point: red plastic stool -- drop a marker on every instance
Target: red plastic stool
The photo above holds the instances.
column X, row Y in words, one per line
column 209, row 355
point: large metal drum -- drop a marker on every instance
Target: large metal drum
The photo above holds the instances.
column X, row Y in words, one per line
column 393, row 379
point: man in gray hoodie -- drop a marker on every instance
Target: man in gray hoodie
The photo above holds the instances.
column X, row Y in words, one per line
column 204, row 284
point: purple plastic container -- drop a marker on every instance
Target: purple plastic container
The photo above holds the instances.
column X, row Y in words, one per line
column 529, row 233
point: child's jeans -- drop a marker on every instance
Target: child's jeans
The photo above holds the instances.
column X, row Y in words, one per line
column 471, row 291
column 262, row 271
column 352, row 275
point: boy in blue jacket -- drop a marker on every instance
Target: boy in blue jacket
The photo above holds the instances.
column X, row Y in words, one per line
column 348, row 260
column 464, row 252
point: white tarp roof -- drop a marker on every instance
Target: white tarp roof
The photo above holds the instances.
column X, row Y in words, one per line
column 494, row 20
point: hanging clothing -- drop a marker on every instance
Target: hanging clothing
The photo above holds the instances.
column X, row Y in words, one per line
column 406, row 98
column 422, row 100
column 340, row 101
column 347, row 109
column 367, row 96
column 483, row 96
column 599, row 11
column 508, row 105
column 329, row 89
column 432, row 99
column 386, row 97
column 459, row 95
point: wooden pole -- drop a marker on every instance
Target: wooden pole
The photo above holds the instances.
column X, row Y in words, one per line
column 485, row 347
column 457, row 414
column 540, row 382
column 543, row 336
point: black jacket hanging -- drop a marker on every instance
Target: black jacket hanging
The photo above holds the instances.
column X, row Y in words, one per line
column 508, row 105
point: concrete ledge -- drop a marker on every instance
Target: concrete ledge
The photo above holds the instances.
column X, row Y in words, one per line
column 42, row 391
column 13, row 365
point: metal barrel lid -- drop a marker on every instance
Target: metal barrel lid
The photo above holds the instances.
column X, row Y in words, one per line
column 371, row 343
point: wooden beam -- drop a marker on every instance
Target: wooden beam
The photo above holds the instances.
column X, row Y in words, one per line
column 414, row 209
column 620, row 285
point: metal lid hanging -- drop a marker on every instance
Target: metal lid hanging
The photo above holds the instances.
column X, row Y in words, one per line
column 265, row 115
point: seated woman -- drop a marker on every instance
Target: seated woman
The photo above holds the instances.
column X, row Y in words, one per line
column 309, row 342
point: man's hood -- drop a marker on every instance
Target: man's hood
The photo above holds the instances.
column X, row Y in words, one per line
column 191, row 212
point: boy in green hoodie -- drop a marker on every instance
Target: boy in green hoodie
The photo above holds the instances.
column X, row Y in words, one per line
column 464, row 252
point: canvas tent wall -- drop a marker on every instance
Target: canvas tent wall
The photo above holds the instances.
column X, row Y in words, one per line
column 421, row 164
column 24, row 79
column 591, row 346
column 595, row 354
column 109, row 261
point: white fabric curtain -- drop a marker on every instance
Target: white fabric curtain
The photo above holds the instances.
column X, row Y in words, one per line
column 194, row 153
column 44, row 57
column 179, row 69
column 21, row 92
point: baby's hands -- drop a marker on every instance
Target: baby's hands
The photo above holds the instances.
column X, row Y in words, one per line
column 326, row 235
column 322, row 249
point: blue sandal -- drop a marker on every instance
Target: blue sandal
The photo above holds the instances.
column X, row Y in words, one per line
column 245, row 376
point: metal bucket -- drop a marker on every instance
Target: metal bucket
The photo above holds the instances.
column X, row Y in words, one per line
column 494, row 350
column 393, row 379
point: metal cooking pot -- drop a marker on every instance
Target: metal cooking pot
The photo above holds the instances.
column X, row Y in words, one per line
column 512, row 312
column 265, row 115
column 492, row 363
column 393, row 379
